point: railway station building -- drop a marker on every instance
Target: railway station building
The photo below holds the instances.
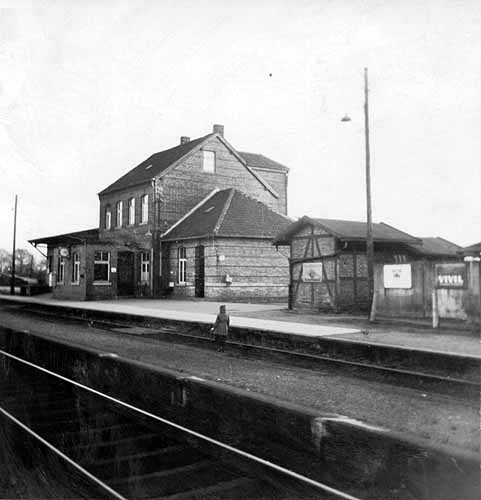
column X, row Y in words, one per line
column 195, row 220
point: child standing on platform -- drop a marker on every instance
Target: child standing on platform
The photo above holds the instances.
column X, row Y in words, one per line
column 221, row 328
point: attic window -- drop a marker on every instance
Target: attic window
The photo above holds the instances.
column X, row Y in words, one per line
column 148, row 166
column 208, row 161
column 209, row 210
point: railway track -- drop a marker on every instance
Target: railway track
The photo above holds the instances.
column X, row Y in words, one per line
column 464, row 385
column 132, row 454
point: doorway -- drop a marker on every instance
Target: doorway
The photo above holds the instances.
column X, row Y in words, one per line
column 199, row 271
column 125, row 274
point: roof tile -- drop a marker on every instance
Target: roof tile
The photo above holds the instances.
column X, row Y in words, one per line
column 260, row 161
column 230, row 213
column 153, row 166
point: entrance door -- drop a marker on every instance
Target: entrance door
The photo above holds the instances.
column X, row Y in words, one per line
column 199, row 271
column 125, row 273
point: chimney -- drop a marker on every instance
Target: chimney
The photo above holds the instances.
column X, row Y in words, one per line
column 218, row 129
column 184, row 139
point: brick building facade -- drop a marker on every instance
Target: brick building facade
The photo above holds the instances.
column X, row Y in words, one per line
column 129, row 253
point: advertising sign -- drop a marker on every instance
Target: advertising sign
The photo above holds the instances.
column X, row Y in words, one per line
column 312, row 272
column 397, row 276
column 450, row 275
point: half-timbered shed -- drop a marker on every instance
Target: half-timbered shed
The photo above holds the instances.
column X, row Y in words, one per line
column 126, row 255
column 328, row 265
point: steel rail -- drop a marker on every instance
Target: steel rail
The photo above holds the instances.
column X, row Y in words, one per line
column 244, row 454
column 74, row 464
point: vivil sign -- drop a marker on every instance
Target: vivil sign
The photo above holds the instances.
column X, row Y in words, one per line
column 450, row 275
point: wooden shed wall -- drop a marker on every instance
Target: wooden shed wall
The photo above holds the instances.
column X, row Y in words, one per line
column 344, row 279
column 313, row 244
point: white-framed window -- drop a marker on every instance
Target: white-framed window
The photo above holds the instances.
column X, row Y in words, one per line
column 145, row 267
column 101, row 266
column 119, row 207
column 61, row 270
column 131, row 211
column 75, row 268
column 181, row 264
column 208, row 161
column 108, row 217
column 145, row 208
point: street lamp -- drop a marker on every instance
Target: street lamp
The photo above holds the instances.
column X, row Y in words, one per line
column 369, row 240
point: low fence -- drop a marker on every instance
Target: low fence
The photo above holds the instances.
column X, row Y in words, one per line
column 425, row 289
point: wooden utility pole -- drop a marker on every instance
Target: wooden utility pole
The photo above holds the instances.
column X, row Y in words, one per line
column 12, row 283
column 369, row 239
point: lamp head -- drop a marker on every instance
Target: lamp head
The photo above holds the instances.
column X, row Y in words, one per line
column 346, row 118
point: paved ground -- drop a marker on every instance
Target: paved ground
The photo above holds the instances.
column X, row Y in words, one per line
column 439, row 418
column 277, row 317
column 456, row 341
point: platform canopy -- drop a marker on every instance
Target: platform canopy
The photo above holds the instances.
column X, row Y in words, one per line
column 86, row 236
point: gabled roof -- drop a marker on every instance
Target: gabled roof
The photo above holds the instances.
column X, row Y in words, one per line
column 86, row 236
column 229, row 213
column 154, row 165
column 260, row 161
column 159, row 162
column 436, row 246
column 347, row 230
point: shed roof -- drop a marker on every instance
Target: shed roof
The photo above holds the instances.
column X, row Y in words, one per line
column 348, row 231
column 436, row 246
column 474, row 249
column 85, row 236
column 256, row 160
column 229, row 213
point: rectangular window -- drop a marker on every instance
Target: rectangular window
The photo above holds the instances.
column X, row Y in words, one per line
column 75, row 268
column 181, row 264
column 145, row 267
column 50, row 264
column 101, row 266
column 61, row 270
column 119, row 214
column 132, row 211
column 208, row 161
column 145, row 208
column 108, row 218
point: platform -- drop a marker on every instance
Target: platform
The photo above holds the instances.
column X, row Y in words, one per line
column 195, row 311
column 277, row 318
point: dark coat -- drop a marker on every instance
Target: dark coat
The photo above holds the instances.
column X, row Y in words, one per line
column 221, row 325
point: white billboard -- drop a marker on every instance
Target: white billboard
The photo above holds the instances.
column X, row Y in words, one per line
column 312, row 271
column 397, row 276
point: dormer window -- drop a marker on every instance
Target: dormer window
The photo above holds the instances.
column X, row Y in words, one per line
column 119, row 214
column 108, row 217
column 208, row 161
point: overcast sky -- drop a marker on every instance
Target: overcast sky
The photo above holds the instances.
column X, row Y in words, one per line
column 90, row 89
